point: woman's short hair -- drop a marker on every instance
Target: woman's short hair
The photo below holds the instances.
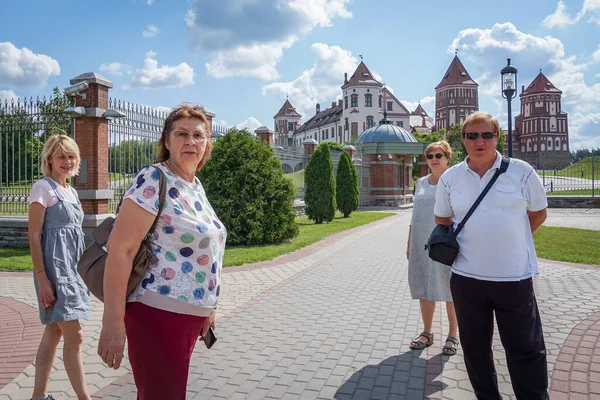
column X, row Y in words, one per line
column 478, row 117
column 184, row 111
column 63, row 144
column 442, row 145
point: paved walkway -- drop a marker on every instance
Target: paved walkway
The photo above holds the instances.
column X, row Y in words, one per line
column 332, row 320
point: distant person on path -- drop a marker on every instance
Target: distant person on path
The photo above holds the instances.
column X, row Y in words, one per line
column 56, row 242
column 496, row 262
column 176, row 301
column 429, row 281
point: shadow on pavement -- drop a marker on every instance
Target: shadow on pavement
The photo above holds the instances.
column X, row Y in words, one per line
column 405, row 376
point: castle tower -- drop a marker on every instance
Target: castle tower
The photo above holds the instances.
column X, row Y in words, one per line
column 361, row 95
column 287, row 120
column 541, row 129
column 456, row 96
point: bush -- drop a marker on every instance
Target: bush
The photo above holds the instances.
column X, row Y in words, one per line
column 245, row 185
column 346, row 188
column 320, row 186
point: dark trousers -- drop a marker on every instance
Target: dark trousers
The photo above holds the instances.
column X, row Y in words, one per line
column 160, row 348
column 520, row 330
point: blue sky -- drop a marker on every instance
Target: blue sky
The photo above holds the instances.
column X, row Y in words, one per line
column 240, row 58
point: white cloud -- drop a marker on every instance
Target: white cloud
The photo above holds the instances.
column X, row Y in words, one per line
column 250, row 123
column 223, row 123
column 163, row 109
column 150, row 31
column 115, row 69
column 487, row 49
column 247, row 38
column 153, row 76
column 596, row 55
column 21, row 68
column 149, row 2
column 8, row 96
column 425, row 102
column 320, row 83
column 561, row 19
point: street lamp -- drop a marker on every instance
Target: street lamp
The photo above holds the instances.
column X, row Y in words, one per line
column 509, row 92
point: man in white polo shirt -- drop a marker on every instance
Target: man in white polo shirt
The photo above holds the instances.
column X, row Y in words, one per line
column 496, row 262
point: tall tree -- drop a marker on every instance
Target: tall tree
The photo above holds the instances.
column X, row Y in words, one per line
column 346, row 190
column 320, row 186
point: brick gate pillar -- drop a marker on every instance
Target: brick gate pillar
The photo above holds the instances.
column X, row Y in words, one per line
column 91, row 135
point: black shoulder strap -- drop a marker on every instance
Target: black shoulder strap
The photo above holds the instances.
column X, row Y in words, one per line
column 503, row 167
column 162, row 184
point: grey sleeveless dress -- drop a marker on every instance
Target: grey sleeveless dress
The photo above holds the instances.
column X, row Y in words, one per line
column 62, row 245
column 427, row 279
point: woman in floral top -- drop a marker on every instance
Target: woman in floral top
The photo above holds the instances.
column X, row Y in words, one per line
column 176, row 301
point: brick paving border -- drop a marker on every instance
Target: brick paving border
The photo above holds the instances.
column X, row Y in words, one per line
column 576, row 374
column 20, row 335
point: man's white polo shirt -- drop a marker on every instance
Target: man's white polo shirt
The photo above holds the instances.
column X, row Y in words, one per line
column 496, row 242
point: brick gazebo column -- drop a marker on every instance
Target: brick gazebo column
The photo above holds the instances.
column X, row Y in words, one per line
column 91, row 135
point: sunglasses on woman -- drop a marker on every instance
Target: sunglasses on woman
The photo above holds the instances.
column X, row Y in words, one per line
column 484, row 135
column 436, row 155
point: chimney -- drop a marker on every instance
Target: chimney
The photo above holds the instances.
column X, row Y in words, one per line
column 318, row 108
column 522, row 88
column 340, row 102
column 345, row 78
column 332, row 104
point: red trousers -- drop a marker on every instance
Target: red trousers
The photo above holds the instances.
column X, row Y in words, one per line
column 160, row 346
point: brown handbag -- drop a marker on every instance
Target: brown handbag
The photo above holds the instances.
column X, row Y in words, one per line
column 91, row 265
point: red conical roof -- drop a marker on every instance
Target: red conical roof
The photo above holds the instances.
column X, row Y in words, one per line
column 540, row 84
column 287, row 110
column 419, row 111
column 455, row 75
column 361, row 74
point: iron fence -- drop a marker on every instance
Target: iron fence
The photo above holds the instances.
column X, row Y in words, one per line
column 579, row 179
column 133, row 144
column 24, row 127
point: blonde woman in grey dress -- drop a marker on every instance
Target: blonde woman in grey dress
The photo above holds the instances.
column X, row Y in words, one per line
column 429, row 281
column 56, row 242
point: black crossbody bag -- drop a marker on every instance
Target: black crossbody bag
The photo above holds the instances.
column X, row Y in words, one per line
column 442, row 244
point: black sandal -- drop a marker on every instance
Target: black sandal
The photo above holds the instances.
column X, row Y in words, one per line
column 450, row 350
column 418, row 345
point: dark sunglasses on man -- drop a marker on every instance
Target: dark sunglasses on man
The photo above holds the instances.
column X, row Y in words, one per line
column 436, row 155
column 484, row 135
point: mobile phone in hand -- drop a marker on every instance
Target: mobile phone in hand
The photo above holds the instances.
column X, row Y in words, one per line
column 209, row 338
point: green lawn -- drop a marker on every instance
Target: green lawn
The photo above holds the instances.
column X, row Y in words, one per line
column 581, row 169
column 309, row 233
column 568, row 244
column 297, row 178
column 19, row 259
column 552, row 243
column 15, row 259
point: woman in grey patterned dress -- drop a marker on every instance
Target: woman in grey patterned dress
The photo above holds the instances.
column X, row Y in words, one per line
column 56, row 241
column 429, row 281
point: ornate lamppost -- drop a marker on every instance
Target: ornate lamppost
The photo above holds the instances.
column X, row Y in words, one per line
column 509, row 92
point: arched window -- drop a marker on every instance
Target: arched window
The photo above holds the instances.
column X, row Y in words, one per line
column 368, row 100
column 354, row 100
column 380, row 101
column 370, row 121
column 346, row 102
column 346, row 124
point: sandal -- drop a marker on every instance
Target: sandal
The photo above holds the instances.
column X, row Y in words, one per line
column 418, row 345
column 450, row 349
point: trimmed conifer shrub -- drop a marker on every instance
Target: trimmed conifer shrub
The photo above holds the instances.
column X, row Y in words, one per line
column 346, row 191
column 246, row 187
column 320, row 186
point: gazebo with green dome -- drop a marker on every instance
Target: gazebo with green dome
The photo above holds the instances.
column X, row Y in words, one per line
column 385, row 160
